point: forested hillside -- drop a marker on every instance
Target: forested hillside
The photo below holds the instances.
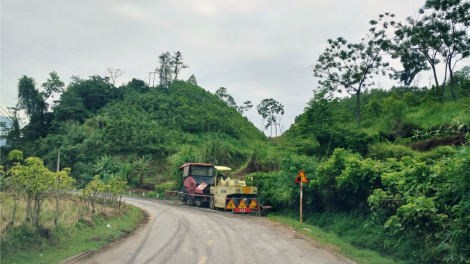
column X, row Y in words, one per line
column 93, row 119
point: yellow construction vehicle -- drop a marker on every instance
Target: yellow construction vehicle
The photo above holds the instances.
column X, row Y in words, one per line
column 226, row 189
column 204, row 183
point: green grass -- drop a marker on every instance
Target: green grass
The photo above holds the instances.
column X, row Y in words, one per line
column 435, row 115
column 324, row 238
column 424, row 117
column 77, row 239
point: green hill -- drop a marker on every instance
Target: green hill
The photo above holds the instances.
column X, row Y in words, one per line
column 93, row 119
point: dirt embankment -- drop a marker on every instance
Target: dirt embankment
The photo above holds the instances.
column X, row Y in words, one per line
column 429, row 144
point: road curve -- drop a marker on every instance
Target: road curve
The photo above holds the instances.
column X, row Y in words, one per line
column 179, row 233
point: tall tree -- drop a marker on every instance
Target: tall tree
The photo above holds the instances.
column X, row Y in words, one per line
column 418, row 35
column 449, row 21
column 271, row 110
column 165, row 71
column 33, row 102
column 178, row 64
column 52, row 85
column 247, row 105
column 192, row 80
column 14, row 133
column 222, row 94
column 28, row 96
column 412, row 61
column 352, row 66
column 31, row 99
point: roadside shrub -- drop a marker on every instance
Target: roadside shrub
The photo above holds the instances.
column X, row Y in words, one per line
column 432, row 96
column 169, row 185
column 373, row 108
column 345, row 180
column 410, row 99
column 280, row 190
column 396, row 109
column 382, row 151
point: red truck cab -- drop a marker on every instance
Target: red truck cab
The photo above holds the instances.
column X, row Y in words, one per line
column 197, row 179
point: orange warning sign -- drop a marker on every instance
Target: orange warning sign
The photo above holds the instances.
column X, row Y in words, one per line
column 230, row 205
column 253, row 205
column 242, row 205
column 301, row 177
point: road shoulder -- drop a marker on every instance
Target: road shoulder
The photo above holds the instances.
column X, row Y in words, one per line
column 138, row 226
column 331, row 242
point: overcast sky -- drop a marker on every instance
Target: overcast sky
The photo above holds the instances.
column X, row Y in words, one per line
column 256, row 49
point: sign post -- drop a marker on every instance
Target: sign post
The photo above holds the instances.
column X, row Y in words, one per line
column 302, row 179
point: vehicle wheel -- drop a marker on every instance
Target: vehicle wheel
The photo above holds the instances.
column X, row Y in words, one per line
column 188, row 201
column 198, row 203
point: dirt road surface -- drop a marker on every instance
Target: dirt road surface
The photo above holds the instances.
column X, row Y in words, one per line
column 178, row 233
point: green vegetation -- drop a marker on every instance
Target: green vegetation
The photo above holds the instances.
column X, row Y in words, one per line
column 388, row 168
column 397, row 183
column 128, row 122
column 39, row 214
column 332, row 242
column 66, row 241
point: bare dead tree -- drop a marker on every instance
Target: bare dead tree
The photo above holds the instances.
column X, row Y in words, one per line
column 417, row 80
column 114, row 74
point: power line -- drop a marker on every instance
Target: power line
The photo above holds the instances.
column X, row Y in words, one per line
column 26, row 35
column 6, row 114
column 37, row 63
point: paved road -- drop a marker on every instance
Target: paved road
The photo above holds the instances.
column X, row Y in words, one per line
column 179, row 233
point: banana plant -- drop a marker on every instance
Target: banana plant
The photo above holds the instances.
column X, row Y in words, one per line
column 141, row 167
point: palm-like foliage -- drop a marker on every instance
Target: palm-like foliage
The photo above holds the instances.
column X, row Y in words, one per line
column 141, row 167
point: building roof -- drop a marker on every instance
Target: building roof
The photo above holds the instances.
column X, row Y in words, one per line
column 197, row 164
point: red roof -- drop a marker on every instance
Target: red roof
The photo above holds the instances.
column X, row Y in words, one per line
column 197, row 164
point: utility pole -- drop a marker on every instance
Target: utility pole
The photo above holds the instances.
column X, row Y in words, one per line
column 149, row 73
column 58, row 161
column 154, row 73
column 56, row 191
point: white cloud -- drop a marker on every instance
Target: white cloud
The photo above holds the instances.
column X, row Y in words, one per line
column 133, row 12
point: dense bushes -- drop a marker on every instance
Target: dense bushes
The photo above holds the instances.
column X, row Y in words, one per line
column 385, row 150
column 431, row 201
column 403, row 201
column 279, row 188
